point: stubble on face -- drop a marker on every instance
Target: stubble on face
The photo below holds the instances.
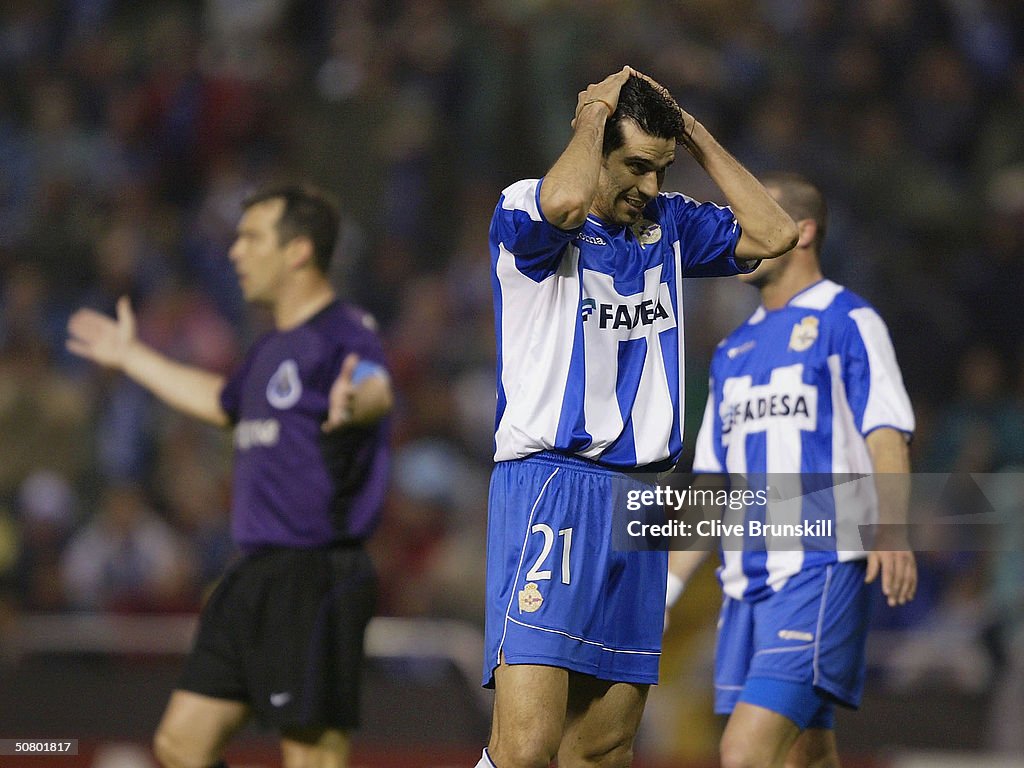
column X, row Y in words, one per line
column 632, row 175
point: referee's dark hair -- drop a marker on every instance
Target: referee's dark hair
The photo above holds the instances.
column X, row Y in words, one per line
column 308, row 212
column 654, row 112
column 801, row 199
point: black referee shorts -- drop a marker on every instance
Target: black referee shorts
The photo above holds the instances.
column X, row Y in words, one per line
column 283, row 633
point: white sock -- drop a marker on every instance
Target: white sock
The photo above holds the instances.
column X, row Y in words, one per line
column 485, row 760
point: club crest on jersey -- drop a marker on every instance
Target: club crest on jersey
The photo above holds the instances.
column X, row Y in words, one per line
column 647, row 232
column 530, row 598
column 284, row 388
column 804, row 334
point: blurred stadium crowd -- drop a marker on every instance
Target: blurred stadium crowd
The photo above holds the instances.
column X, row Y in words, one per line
column 130, row 131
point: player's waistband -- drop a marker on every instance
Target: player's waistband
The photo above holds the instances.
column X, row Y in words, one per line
column 572, row 461
column 259, row 550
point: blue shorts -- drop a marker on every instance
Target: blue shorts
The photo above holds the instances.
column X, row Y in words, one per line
column 558, row 593
column 799, row 650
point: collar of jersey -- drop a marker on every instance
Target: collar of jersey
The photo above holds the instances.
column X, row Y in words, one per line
column 761, row 313
column 611, row 229
column 794, row 300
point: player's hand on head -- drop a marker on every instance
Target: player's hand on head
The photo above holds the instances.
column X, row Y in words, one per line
column 603, row 96
column 653, row 83
column 100, row 338
column 898, row 570
column 689, row 121
column 341, row 399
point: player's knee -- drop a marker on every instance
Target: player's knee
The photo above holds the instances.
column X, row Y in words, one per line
column 735, row 753
column 165, row 748
column 618, row 756
column 174, row 751
column 827, row 759
column 814, row 749
column 613, row 750
column 314, row 758
column 524, row 751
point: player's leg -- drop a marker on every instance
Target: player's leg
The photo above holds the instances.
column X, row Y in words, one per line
column 194, row 729
column 756, row 737
column 314, row 748
column 529, row 711
column 602, row 719
column 210, row 703
column 815, row 748
column 324, row 648
column 804, row 647
column 561, row 600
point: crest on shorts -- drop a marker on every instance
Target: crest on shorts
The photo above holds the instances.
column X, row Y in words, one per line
column 284, row 388
column 804, row 334
column 647, row 232
column 530, row 598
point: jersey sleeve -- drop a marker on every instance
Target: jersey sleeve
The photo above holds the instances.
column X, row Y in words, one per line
column 871, row 375
column 519, row 228
column 367, row 345
column 708, row 235
column 707, row 457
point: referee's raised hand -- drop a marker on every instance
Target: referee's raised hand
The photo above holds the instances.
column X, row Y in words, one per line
column 100, row 338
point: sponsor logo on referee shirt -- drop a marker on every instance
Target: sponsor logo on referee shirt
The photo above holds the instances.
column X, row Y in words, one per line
column 280, row 699
column 257, row 433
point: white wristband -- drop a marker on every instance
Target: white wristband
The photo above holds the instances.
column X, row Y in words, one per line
column 673, row 589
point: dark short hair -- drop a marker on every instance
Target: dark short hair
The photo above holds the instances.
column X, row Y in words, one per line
column 654, row 112
column 801, row 199
column 308, row 212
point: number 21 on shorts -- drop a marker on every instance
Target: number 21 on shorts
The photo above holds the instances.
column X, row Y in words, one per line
column 537, row 572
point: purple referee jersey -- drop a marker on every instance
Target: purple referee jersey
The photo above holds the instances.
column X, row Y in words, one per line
column 295, row 486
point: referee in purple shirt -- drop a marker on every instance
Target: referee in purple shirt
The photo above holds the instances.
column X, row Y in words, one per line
column 281, row 638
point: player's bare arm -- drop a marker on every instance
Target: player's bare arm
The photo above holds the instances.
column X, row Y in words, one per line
column 683, row 563
column 768, row 231
column 891, row 556
column 570, row 186
column 112, row 343
column 358, row 404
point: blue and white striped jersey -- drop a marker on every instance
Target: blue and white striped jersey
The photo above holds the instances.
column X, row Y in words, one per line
column 793, row 394
column 589, row 326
